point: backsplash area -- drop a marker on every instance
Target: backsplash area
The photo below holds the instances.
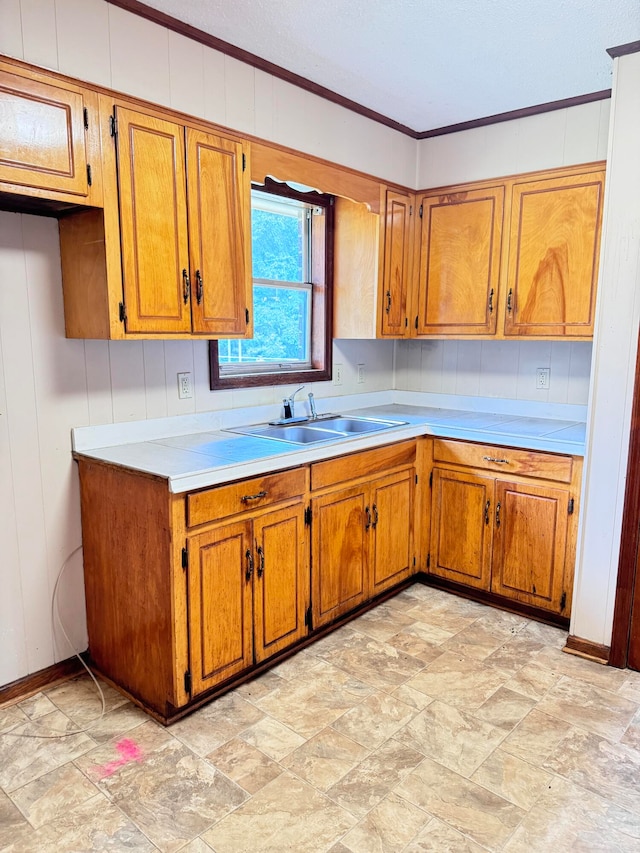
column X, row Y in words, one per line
column 504, row 369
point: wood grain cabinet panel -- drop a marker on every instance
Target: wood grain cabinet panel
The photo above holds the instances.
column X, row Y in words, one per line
column 397, row 268
column 553, row 256
column 530, row 543
column 462, row 528
column 220, row 605
column 459, row 272
column 516, row 537
column 42, row 135
column 363, row 538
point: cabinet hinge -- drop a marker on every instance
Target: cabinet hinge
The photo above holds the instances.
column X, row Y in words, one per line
column 414, row 561
column 185, row 558
column 570, row 507
column 244, row 162
column 415, row 323
column 85, row 116
column 431, row 480
column 563, row 601
column 308, row 617
column 421, row 211
column 416, row 479
column 246, row 315
column 89, row 173
column 428, row 561
column 307, row 516
column 122, row 312
column 187, row 682
column 113, row 125
column 410, row 210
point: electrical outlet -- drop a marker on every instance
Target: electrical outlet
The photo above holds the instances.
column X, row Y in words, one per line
column 543, row 378
column 360, row 379
column 337, row 374
column 185, row 389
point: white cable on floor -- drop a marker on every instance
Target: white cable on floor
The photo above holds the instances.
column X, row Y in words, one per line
column 55, row 616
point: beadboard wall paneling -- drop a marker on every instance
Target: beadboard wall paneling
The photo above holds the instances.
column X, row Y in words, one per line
column 560, row 138
column 496, row 369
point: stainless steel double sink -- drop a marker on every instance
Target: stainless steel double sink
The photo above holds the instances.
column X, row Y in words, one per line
column 323, row 428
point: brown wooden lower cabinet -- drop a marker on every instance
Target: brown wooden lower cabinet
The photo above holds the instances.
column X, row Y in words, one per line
column 188, row 593
column 362, row 531
column 514, row 537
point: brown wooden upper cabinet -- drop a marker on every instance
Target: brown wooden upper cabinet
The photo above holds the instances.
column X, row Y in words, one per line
column 516, row 257
column 169, row 255
column 459, row 270
column 396, row 271
column 554, row 249
column 46, row 146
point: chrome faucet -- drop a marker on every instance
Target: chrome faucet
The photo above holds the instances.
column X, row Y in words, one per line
column 312, row 407
column 289, row 404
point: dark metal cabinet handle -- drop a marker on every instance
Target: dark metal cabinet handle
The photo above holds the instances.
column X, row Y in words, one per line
column 249, row 558
column 388, row 308
column 497, row 515
column 260, row 552
column 375, row 515
column 491, row 301
column 494, row 459
column 256, row 497
column 186, row 286
column 486, row 512
column 368, row 514
column 199, row 287
column 509, row 300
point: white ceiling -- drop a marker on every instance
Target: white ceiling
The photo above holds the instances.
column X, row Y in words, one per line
column 429, row 63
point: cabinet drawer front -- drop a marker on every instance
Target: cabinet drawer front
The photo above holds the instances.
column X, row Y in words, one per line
column 223, row 501
column 527, row 463
column 364, row 464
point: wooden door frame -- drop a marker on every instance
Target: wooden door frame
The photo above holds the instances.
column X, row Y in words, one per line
column 627, row 588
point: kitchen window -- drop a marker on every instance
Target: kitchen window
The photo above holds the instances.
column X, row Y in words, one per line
column 292, row 259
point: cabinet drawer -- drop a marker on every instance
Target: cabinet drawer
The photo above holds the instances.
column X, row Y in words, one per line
column 223, row 501
column 368, row 463
column 527, row 463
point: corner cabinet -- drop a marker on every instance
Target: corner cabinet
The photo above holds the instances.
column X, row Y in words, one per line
column 517, row 257
column 504, row 520
column 170, row 254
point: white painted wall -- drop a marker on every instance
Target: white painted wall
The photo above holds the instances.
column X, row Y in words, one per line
column 564, row 137
column 495, row 369
column 615, row 346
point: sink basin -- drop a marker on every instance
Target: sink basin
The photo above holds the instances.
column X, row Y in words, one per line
column 324, row 429
column 356, row 425
column 295, row 433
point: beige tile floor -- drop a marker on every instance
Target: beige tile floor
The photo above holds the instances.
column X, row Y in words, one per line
column 429, row 724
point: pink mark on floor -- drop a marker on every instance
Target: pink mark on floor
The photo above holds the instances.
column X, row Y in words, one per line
column 129, row 751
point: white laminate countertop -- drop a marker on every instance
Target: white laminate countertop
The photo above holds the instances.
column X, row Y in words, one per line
column 195, row 452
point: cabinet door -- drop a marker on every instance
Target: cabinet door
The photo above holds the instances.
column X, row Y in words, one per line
column 392, row 510
column 281, row 584
column 340, row 542
column 460, row 245
column 42, row 135
column 461, row 528
column 153, row 223
column 220, row 604
column 397, row 263
column 553, row 256
column 530, row 544
column 220, row 235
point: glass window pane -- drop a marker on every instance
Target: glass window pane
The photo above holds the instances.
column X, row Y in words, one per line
column 277, row 244
column 282, row 334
